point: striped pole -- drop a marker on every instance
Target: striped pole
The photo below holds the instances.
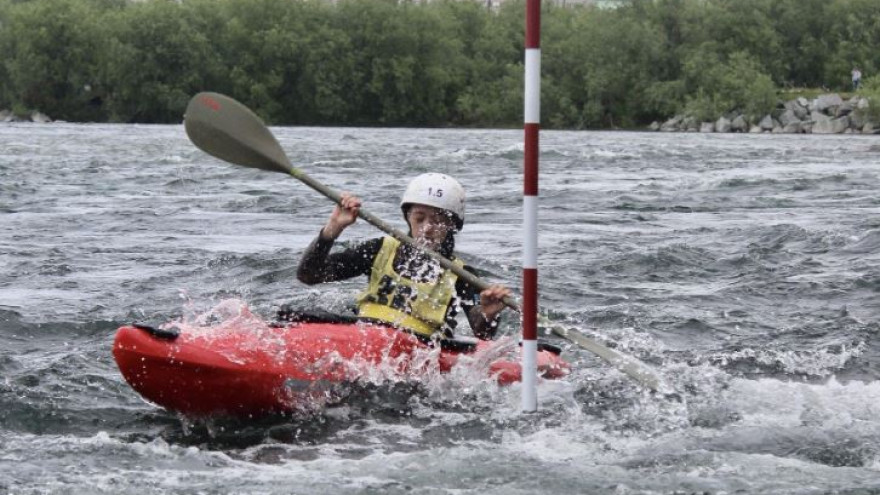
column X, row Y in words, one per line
column 530, row 206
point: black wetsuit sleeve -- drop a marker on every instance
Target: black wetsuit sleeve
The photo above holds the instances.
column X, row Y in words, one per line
column 318, row 265
column 469, row 299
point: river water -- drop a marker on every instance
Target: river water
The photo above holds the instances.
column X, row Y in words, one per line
column 744, row 268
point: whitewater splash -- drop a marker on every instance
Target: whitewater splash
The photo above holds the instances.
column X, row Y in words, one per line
column 318, row 363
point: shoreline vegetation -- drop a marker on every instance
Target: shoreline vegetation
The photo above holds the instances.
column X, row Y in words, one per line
column 670, row 65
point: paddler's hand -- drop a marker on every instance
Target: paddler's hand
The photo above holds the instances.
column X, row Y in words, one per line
column 491, row 301
column 345, row 214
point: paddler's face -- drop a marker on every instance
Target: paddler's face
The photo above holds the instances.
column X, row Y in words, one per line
column 429, row 225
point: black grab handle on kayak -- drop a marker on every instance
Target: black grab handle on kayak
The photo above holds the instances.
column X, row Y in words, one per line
column 159, row 333
column 546, row 346
column 457, row 345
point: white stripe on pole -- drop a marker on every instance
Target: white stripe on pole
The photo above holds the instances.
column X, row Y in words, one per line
column 530, row 243
column 530, row 375
column 533, row 86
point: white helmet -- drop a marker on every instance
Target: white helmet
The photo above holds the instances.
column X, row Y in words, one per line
column 437, row 190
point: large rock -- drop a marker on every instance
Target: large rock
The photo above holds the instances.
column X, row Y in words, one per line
column 857, row 120
column 672, row 124
column 793, row 128
column 40, row 118
column 823, row 124
column 655, row 126
column 707, row 127
column 767, row 123
column 6, row 116
column 788, row 117
column 823, row 103
column 722, row 124
column 845, row 109
column 798, row 110
column 739, row 124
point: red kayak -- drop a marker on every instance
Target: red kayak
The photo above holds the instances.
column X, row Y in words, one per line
column 247, row 367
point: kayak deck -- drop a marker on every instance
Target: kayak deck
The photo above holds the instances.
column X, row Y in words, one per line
column 257, row 369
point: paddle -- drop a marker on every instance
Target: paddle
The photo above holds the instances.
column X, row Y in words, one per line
column 228, row 130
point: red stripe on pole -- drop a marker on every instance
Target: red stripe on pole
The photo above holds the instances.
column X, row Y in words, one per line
column 533, row 23
column 530, row 162
column 530, row 304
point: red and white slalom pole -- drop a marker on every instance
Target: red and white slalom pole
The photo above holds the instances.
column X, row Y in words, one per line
column 530, row 207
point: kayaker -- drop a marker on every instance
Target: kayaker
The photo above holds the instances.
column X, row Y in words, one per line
column 407, row 288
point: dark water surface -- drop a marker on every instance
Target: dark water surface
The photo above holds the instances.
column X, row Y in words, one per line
column 745, row 268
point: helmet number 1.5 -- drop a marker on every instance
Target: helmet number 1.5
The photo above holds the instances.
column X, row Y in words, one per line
column 437, row 193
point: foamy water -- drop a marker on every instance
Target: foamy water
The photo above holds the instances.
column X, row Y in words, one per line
column 744, row 269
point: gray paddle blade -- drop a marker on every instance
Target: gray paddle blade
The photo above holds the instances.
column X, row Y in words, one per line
column 228, row 130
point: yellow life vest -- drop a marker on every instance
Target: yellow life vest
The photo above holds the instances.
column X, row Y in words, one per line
column 417, row 306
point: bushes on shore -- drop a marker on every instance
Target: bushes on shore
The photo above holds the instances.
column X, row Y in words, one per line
column 384, row 62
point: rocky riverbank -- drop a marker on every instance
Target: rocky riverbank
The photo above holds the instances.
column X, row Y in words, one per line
column 38, row 117
column 825, row 114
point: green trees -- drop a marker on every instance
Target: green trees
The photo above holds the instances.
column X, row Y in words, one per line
column 716, row 86
column 445, row 62
column 492, row 92
column 50, row 55
column 854, row 35
column 600, row 66
column 153, row 61
column 407, row 62
column 871, row 90
column 802, row 29
column 6, row 98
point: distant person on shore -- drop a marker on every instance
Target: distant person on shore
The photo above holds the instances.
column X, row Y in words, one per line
column 856, row 78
